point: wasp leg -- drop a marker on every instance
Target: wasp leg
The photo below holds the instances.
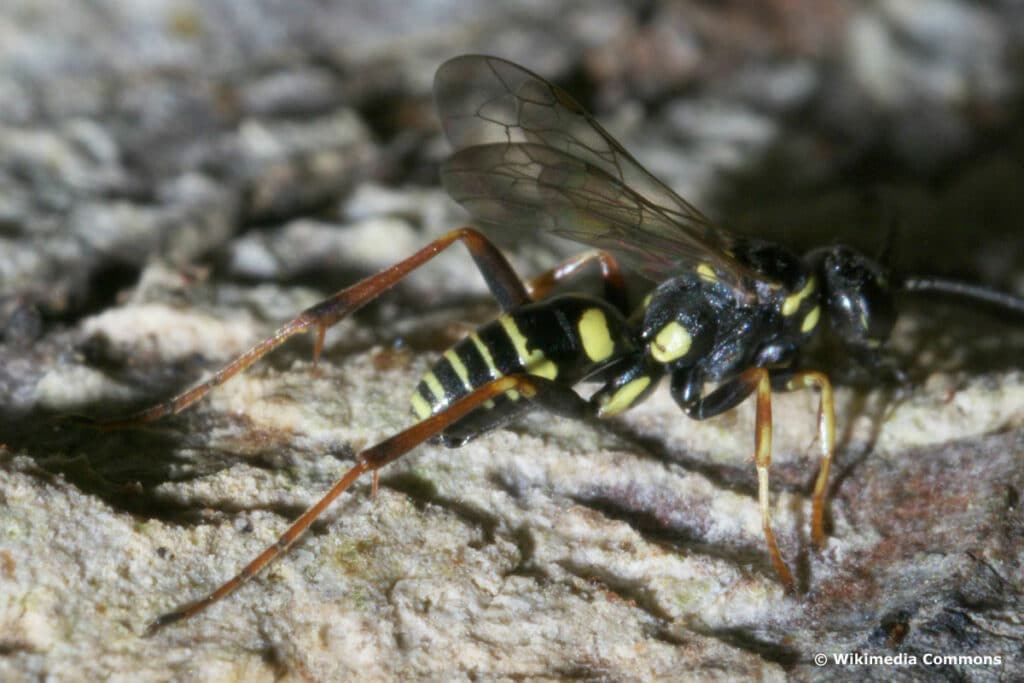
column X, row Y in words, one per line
column 371, row 460
column 628, row 382
column 614, row 284
column 500, row 411
column 553, row 397
column 792, row 381
column 504, row 284
column 685, row 389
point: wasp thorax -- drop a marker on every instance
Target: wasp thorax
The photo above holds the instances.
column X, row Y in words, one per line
column 860, row 300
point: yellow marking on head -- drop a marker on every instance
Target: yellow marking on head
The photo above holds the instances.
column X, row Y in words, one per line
column 458, row 366
column 811, row 320
column 624, row 397
column 430, row 379
column 533, row 362
column 489, row 404
column 707, row 272
column 672, row 342
column 597, row 339
column 420, row 406
column 485, row 353
column 791, row 304
column 647, row 300
column 512, row 394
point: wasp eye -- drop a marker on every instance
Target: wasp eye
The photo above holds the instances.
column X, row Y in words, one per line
column 860, row 302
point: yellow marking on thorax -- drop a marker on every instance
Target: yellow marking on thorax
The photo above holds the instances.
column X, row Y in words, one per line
column 624, row 397
column 811, row 320
column 420, row 405
column 459, row 367
column 672, row 342
column 707, row 272
column 534, row 363
column 791, row 304
column 546, row 369
column 596, row 337
column 485, row 353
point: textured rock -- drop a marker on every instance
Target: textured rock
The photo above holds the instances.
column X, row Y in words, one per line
column 549, row 549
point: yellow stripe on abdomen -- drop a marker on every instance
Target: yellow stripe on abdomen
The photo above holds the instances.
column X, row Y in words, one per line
column 595, row 335
column 533, row 362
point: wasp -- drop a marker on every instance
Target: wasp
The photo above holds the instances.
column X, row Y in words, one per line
column 725, row 311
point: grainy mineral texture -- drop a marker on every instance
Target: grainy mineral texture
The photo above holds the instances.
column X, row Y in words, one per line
column 178, row 179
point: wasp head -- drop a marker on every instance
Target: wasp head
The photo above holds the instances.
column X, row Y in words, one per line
column 858, row 296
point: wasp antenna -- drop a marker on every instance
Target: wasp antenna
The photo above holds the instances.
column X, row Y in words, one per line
column 879, row 200
column 966, row 292
column 885, row 252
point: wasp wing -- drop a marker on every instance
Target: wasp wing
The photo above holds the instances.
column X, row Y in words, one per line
column 529, row 186
column 484, row 100
column 528, row 155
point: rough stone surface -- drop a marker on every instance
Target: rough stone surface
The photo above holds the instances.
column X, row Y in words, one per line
column 177, row 179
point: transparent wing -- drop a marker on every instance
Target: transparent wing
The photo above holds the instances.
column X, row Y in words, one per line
column 529, row 186
column 528, row 155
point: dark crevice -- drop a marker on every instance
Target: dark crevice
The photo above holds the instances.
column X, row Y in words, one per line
column 95, row 293
column 526, row 567
column 674, row 538
column 733, row 479
column 741, row 639
column 572, row 672
column 423, row 492
column 627, row 591
column 668, row 634
column 13, row 647
column 640, row 596
column 129, row 496
column 125, row 467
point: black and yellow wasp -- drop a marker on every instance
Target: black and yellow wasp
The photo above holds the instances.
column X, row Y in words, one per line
column 725, row 312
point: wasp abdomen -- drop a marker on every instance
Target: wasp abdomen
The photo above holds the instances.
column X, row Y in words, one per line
column 563, row 339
